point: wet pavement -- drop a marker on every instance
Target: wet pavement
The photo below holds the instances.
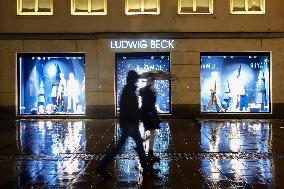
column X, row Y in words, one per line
column 210, row 154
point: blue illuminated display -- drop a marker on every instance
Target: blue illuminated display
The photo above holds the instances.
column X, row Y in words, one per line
column 235, row 82
column 143, row 62
column 51, row 83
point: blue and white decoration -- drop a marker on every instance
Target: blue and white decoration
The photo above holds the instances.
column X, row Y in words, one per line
column 235, row 82
column 143, row 62
column 51, row 83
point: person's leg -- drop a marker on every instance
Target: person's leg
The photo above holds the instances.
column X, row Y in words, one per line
column 74, row 105
column 62, row 102
column 65, row 102
column 113, row 152
column 69, row 103
column 147, row 167
column 53, row 100
column 210, row 102
column 135, row 134
column 152, row 139
column 151, row 156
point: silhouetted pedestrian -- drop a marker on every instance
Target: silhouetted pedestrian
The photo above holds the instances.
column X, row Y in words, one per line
column 150, row 116
column 129, row 123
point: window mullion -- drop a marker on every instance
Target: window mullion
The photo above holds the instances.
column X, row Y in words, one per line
column 20, row 9
column 194, row 5
column 246, row 5
column 36, row 5
column 89, row 6
column 142, row 6
column 51, row 5
column 158, row 6
column 73, row 6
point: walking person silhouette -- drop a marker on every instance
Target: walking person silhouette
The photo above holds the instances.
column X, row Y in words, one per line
column 129, row 123
column 150, row 116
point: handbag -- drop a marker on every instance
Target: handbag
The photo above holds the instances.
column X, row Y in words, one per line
column 151, row 120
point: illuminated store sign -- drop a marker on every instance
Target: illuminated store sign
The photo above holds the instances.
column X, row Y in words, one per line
column 142, row 44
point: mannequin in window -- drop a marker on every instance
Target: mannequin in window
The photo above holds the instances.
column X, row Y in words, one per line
column 41, row 99
column 72, row 93
column 53, row 94
column 227, row 94
column 61, row 93
column 214, row 94
column 261, row 90
column 238, row 90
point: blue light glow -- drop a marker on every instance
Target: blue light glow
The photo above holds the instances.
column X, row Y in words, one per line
column 142, row 63
column 45, row 84
column 235, row 82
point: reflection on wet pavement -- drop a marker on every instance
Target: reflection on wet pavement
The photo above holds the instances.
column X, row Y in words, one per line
column 211, row 154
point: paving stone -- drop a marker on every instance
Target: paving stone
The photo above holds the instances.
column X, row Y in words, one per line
column 210, row 154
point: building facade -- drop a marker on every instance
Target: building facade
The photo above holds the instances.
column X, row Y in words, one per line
column 186, row 30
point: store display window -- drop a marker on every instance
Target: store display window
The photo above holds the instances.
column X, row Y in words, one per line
column 144, row 62
column 51, row 83
column 237, row 82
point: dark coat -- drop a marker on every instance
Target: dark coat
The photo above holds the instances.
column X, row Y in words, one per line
column 150, row 116
column 129, row 108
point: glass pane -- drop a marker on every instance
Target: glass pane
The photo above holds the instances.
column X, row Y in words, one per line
column 254, row 5
column 150, row 6
column 239, row 5
column 134, row 5
column 44, row 5
column 98, row 5
column 234, row 82
column 28, row 5
column 138, row 62
column 186, row 6
column 81, row 5
column 52, row 83
column 202, row 5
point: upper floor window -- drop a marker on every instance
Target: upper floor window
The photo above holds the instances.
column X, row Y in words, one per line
column 142, row 7
column 88, row 7
column 247, row 6
column 195, row 7
column 34, row 7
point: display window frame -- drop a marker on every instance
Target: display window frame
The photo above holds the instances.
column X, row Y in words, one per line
column 117, row 55
column 236, row 53
column 142, row 12
column 36, row 12
column 210, row 7
column 89, row 4
column 18, row 81
column 246, row 11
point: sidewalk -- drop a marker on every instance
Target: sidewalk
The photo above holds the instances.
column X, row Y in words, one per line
column 211, row 154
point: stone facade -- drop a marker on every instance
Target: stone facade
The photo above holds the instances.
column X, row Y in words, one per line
column 217, row 32
column 100, row 64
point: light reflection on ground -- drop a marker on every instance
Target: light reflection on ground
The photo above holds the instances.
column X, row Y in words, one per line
column 215, row 154
column 236, row 136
